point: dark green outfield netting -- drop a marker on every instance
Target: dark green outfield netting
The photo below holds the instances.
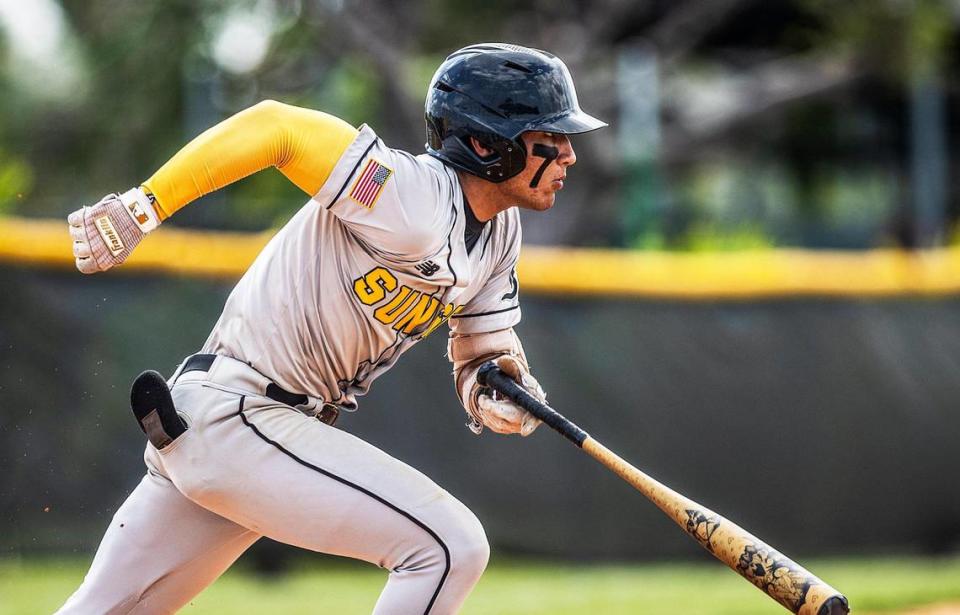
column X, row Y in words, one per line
column 822, row 426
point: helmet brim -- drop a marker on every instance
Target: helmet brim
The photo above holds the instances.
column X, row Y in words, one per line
column 569, row 124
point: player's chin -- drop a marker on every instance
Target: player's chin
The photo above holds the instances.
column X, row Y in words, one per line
column 542, row 201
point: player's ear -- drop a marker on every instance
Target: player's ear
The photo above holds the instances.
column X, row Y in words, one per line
column 480, row 148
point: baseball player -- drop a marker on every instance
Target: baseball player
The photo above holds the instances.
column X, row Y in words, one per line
column 389, row 247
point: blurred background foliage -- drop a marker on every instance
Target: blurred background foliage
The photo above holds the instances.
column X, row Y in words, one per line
column 734, row 123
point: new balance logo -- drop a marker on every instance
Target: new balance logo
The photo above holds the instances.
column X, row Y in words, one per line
column 427, row 268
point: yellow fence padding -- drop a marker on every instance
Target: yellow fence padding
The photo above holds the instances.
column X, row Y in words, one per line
column 554, row 270
column 768, row 273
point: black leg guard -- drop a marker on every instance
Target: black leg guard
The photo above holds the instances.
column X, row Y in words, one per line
column 153, row 407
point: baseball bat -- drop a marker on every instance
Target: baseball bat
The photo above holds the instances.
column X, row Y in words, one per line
column 791, row 585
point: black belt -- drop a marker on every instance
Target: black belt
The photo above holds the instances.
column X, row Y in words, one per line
column 202, row 363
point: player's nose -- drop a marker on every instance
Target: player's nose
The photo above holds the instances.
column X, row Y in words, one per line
column 567, row 156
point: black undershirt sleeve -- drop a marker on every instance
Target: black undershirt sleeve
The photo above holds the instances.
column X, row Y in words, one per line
column 473, row 228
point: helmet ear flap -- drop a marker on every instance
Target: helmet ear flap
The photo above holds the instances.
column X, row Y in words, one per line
column 482, row 142
column 513, row 156
column 498, row 146
column 434, row 140
column 506, row 159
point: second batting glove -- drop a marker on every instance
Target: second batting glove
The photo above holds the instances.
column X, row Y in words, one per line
column 487, row 409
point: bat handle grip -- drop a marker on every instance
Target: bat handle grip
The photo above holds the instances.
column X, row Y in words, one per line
column 492, row 376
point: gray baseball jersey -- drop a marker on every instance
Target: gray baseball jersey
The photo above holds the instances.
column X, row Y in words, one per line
column 373, row 263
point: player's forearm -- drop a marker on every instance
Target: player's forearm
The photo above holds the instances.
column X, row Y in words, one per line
column 303, row 144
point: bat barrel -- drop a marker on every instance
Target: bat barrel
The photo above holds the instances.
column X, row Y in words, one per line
column 787, row 582
column 792, row 586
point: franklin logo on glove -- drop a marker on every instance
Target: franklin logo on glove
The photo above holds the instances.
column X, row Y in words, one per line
column 109, row 235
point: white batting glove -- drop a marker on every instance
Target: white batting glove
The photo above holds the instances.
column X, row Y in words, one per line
column 104, row 234
column 487, row 409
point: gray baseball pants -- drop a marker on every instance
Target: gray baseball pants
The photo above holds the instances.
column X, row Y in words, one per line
column 249, row 467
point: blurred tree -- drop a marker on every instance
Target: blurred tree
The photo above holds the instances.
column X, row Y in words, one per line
column 823, row 90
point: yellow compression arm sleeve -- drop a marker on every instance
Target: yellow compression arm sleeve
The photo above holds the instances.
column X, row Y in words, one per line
column 303, row 144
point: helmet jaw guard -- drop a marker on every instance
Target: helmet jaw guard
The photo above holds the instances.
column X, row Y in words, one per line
column 494, row 93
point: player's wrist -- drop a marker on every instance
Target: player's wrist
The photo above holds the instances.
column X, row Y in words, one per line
column 139, row 205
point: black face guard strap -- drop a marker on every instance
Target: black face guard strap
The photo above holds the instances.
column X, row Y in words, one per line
column 549, row 154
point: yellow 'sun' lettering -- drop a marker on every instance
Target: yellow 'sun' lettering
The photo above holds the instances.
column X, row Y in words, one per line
column 448, row 311
column 420, row 314
column 405, row 309
column 374, row 285
column 389, row 312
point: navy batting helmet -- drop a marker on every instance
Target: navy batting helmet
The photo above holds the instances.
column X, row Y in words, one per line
column 494, row 92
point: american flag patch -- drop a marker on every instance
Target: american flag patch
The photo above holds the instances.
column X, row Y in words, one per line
column 370, row 184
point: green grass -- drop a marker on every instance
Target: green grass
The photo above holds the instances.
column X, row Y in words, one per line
column 530, row 588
